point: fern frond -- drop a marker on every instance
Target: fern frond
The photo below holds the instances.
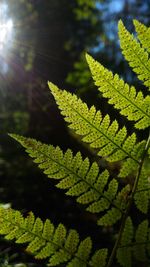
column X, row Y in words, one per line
column 137, row 57
column 79, row 178
column 131, row 104
column 111, row 143
column 143, row 34
column 124, row 253
column 47, row 242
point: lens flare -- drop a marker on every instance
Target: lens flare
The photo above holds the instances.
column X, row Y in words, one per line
column 6, row 36
column 5, row 33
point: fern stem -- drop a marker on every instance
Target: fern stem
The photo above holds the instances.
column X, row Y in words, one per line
column 130, row 200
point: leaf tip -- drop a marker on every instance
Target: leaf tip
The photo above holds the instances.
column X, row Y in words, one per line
column 14, row 136
column 89, row 58
column 53, row 87
column 120, row 25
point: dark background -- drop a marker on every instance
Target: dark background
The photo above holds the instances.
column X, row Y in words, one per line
column 49, row 42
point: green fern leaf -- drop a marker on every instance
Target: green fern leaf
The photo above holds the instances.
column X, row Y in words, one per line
column 121, row 198
column 45, row 252
column 124, row 253
column 59, row 235
column 98, row 132
column 136, row 245
column 35, row 245
column 24, row 238
column 113, row 215
column 143, row 34
column 110, row 218
column 72, row 241
column 141, row 197
column 78, row 177
column 99, row 257
column 29, row 221
column 59, row 257
column 149, row 152
column 131, row 104
column 59, row 246
column 137, row 57
column 140, row 239
column 130, row 165
column 84, row 249
column 76, row 262
column 48, row 229
column 83, row 253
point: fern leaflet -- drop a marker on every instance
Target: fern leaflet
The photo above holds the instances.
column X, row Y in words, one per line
column 124, row 254
column 137, row 57
column 135, row 245
column 142, row 196
column 141, row 237
column 130, row 103
column 143, row 33
column 79, row 179
column 113, row 144
column 46, row 241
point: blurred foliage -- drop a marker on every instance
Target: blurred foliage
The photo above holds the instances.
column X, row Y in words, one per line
column 25, row 19
column 84, row 27
column 101, row 41
column 19, row 59
column 15, row 64
column 85, row 10
column 9, row 258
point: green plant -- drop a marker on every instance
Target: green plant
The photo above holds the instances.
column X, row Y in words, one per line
column 110, row 197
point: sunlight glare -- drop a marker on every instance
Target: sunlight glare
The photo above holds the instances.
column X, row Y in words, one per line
column 5, row 32
column 6, row 36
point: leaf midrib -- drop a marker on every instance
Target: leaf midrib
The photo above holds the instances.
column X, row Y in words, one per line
column 101, row 194
column 46, row 241
column 125, row 97
column 98, row 130
column 134, row 51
